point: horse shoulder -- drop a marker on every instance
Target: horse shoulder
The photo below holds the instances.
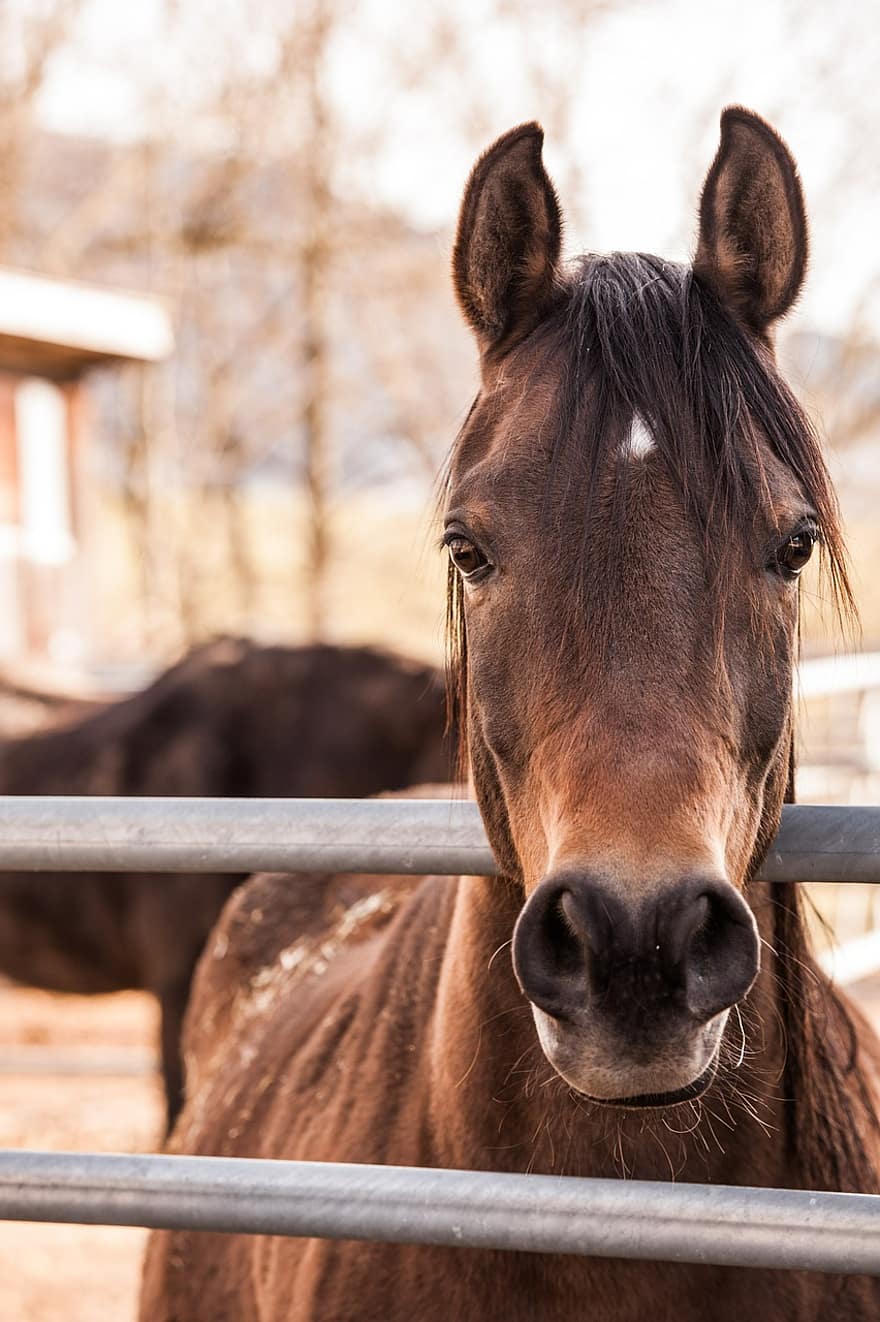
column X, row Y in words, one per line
column 274, row 931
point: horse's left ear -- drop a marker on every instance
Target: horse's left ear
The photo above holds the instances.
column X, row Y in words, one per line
column 753, row 226
column 504, row 262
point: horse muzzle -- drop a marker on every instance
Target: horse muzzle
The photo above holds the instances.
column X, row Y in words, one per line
column 631, row 997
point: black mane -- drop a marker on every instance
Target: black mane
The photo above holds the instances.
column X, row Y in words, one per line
column 643, row 337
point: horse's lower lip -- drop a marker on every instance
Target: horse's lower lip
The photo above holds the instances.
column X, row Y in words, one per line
column 655, row 1100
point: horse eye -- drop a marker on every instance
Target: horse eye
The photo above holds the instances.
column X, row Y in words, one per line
column 795, row 551
column 466, row 557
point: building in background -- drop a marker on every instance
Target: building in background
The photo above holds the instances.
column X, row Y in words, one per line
column 52, row 333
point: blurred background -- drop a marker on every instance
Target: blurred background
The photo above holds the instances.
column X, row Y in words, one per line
column 231, row 366
column 246, row 436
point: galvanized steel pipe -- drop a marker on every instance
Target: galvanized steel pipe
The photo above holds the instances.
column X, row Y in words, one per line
column 829, row 1232
column 242, row 835
column 347, row 835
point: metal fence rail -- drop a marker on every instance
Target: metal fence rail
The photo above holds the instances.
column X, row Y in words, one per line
column 715, row 1224
column 535, row 1213
column 834, row 844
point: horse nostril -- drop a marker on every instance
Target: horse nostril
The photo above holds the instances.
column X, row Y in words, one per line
column 562, row 944
column 550, row 949
column 692, row 950
column 720, row 949
column 566, row 937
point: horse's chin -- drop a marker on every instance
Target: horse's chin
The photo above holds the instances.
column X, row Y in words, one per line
column 661, row 1100
column 605, row 1078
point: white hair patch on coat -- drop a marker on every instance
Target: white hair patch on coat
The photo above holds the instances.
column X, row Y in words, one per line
column 640, row 442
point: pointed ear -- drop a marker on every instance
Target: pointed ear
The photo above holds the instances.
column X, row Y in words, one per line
column 753, row 226
column 504, row 262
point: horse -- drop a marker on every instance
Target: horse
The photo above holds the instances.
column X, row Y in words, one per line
column 230, row 719
column 629, row 505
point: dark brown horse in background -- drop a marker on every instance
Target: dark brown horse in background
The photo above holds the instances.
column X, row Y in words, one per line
column 630, row 503
column 232, row 719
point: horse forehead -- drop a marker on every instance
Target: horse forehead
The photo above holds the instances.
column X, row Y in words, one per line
column 527, row 482
column 517, row 460
column 519, row 439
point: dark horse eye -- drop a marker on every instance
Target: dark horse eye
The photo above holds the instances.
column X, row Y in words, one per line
column 795, row 551
column 466, row 557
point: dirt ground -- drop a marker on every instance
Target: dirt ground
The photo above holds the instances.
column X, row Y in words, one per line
column 75, row 1073
column 101, row 1094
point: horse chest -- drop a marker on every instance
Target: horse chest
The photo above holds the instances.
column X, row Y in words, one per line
column 333, row 1282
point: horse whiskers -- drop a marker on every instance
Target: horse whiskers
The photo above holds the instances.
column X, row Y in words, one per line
column 549, row 1134
column 504, row 945
column 749, row 1106
column 541, row 1125
column 532, row 1047
column 502, row 1014
column 485, row 1024
column 552, row 1077
column 530, row 1086
column 673, row 1173
column 542, row 1128
column 711, row 1114
column 698, row 1115
column 473, row 1058
column 709, row 1117
column 625, row 1170
column 742, row 1030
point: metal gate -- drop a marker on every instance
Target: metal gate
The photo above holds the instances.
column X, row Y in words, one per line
column 536, row 1213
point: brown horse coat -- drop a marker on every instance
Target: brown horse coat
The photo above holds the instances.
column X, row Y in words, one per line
column 232, row 719
column 629, row 505
column 352, row 1019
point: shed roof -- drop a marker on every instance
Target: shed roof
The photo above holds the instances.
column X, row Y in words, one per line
column 60, row 328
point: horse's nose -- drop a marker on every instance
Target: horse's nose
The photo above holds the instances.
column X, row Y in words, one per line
column 689, row 951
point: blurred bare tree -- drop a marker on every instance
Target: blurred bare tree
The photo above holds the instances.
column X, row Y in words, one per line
column 317, row 343
column 296, row 300
column 29, row 36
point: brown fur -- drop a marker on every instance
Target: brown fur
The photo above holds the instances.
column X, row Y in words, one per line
column 753, row 224
column 232, row 719
column 625, row 661
column 506, row 274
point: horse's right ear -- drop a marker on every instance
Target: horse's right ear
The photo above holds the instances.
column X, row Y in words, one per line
column 753, row 226
column 504, row 262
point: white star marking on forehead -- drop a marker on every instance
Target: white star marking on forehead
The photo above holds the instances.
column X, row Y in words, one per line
column 640, row 442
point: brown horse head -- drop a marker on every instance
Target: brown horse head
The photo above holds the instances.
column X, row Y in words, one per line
column 630, row 504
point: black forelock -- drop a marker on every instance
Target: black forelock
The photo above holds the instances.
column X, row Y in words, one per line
column 643, row 337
